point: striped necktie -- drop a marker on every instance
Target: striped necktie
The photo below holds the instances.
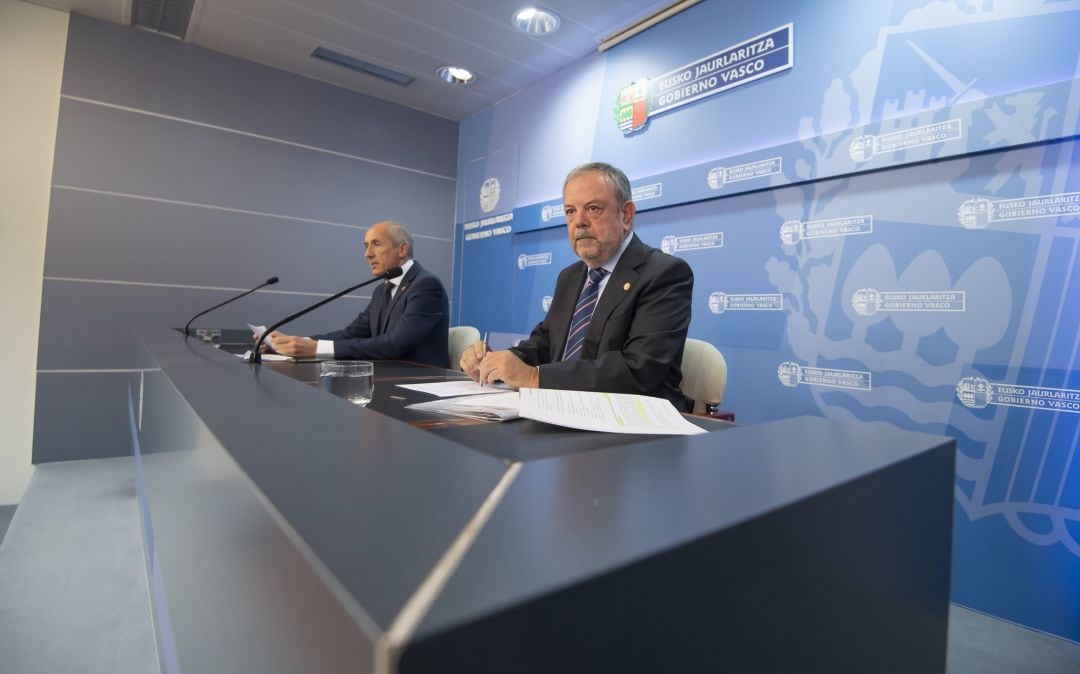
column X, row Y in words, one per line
column 583, row 312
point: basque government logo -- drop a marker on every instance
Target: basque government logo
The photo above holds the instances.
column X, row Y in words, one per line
column 867, row 301
column 977, row 393
column 791, row 374
column 489, row 195
column 533, row 260
column 720, row 301
column 975, row 213
column 753, row 59
column 979, row 212
column 671, row 244
column 717, row 177
column 863, row 148
column 794, row 231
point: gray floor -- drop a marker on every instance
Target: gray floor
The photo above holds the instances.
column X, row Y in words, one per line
column 73, row 595
column 982, row 644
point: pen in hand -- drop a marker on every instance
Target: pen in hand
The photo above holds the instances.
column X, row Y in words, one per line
column 485, row 353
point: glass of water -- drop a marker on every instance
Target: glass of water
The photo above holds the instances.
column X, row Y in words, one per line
column 353, row 380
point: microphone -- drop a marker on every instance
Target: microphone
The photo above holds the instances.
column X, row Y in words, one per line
column 269, row 282
column 256, row 355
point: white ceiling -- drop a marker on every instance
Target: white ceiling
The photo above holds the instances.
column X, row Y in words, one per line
column 414, row 37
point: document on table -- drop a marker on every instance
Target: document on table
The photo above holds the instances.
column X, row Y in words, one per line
column 268, row 357
column 605, row 412
column 258, row 330
column 448, row 389
column 491, row 407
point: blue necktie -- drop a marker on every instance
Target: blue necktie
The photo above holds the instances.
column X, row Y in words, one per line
column 583, row 312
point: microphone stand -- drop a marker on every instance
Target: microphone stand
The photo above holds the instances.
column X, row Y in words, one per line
column 269, row 282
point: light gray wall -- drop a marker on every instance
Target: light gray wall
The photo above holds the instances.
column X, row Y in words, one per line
column 183, row 177
column 31, row 64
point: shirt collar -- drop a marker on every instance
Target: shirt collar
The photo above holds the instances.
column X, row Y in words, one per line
column 404, row 270
column 610, row 264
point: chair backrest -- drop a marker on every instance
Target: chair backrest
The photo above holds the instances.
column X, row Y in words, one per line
column 460, row 338
column 704, row 372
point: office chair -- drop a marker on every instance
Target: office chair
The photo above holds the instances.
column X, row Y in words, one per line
column 704, row 373
column 460, row 338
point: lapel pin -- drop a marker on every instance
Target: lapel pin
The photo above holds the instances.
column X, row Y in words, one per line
column 626, row 286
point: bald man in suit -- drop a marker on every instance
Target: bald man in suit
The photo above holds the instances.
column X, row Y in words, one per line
column 408, row 317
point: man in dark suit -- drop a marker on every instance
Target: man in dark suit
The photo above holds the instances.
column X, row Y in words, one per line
column 618, row 319
column 408, row 318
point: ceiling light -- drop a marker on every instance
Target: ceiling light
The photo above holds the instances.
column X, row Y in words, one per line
column 455, row 75
column 536, row 21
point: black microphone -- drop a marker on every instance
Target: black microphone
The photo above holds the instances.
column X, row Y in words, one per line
column 256, row 356
column 269, row 282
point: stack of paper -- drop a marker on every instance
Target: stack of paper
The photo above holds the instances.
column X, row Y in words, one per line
column 585, row 410
column 490, row 407
column 459, row 387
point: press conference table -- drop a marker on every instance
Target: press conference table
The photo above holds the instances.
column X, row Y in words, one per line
column 518, row 440
column 288, row 530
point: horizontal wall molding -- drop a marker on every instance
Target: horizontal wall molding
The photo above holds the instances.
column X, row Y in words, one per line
column 64, row 279
column 227, row 209
column 249, row 134
column 139, row 370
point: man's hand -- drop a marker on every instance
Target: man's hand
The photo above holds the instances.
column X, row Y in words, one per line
column 506, row 367
column 289, row 345
column 470, row 359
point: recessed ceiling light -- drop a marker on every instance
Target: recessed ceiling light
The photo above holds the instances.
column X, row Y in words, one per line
column 455, row 75
column 536, row 21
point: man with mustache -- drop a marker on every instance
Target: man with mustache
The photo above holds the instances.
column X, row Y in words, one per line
column 408, row 317
column 619, row 318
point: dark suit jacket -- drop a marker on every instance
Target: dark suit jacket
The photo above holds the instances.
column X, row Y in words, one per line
column 635, row 341
column 415, row 325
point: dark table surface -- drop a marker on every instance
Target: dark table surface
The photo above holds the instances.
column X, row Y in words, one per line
column 804, row 544
column 515, row 440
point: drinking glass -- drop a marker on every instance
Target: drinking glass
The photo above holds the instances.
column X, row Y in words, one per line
column 353, row 380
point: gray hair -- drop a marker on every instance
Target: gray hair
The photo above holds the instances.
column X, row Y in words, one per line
column 618, row 181
column 398, row 233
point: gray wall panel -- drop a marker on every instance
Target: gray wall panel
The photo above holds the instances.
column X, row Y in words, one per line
column 105, row 237
column 179, row 136
column 118, row 151
column 82, row 415
column 141, row 70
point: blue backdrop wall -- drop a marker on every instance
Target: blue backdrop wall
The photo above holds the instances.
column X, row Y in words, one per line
column 881, row 204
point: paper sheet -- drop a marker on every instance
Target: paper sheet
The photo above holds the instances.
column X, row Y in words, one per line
column 258, row 330
column 268, row 357
column 605, row 412
column 447, row 389
column 491, row 407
